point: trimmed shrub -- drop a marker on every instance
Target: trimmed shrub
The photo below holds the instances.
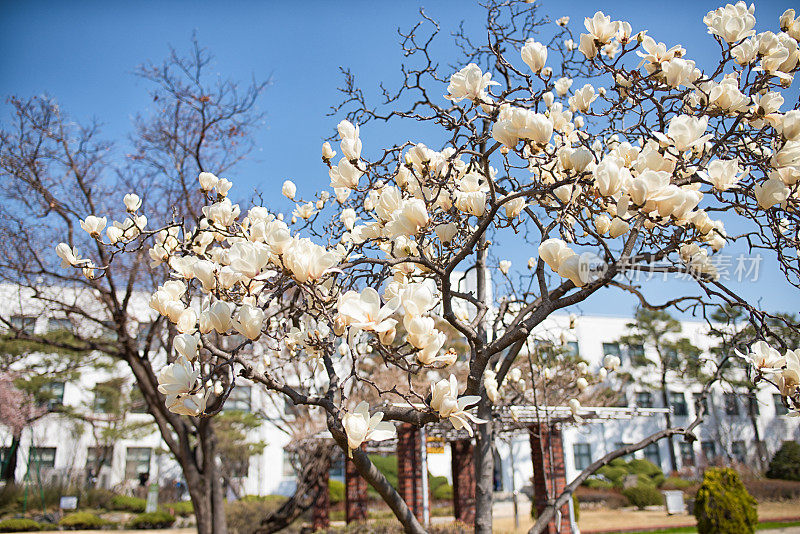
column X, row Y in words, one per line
column 157, row 519
column 82, row 521
column 443, row 492
column 642, row 496
column 722, row 504
column 336, row 491
column 615, row 473
column 785, row 465
column 19, row 525
column 676, row 483
column 179, row 508
column 244, row 516
column 126, row 503
column 598, row 483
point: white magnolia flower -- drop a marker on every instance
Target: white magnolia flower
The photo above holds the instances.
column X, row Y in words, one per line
column 188, row 404
column 69, row 256
column 587, row 47
column 445, row 400
column 764, row 358
column 789, row 380
column 350, row 142
column 470, row 82
column 348, row 218
column 504, row 266
column 327, row 152
column 132, row 202
column 770, row 192
column 611, row 362
column 249, row 321
column 685, row 132
column 244, row 257
column 289, row 190
column 207, row 181
column 114, row 234
column 178, row 378
column 308, row 261
column 581, row 384
column 732, row 22
column 723, row 173
column 790, row 124
column 217, row 317
column 445, row 232
column 582, row 98
column 562, row 259
column 187, row 345
column 360, row 427
column 601, row 27
column 491, row 385
column 93, row 225
column 223, row 186
column 575, row 407
column 562, row 85
column 534, row 55
column 364, row 311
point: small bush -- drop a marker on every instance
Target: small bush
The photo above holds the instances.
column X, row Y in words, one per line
column 179, row 508
column 336, row 491
column 443, row 492
column 19, row 525
column 598, row 483
column 785, row 465
column 764, row 490
column 642, row 496
column 722, row 504
column 82, row 521
column 126, row 503
column 643, row 467
column 157, row 519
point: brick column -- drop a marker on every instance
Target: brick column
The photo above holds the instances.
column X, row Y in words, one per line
column 355, row 493
column 320, row 513
column 409, row 468
column 549, row 473
column 463, row 467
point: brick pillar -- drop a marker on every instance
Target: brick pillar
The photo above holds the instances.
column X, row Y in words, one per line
column 462, row 454
column 409, row 468
column 355, row 493
column 549, row 473
column 320, row 513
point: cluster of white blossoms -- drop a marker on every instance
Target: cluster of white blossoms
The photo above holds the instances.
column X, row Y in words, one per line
column 410, row 219
column 768, row 362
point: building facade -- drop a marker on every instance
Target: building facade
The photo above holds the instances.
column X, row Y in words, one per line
column 57, row 447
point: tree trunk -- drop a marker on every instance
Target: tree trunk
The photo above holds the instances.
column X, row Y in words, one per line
column 484, row 469
column 673, row 460
column 10, row 461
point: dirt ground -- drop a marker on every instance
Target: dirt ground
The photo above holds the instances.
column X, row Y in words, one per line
column 603, row 520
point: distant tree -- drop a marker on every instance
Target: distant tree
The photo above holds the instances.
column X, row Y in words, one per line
column 676, row 357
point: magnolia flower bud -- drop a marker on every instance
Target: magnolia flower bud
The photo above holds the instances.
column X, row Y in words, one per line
column 132, row 202
column 504, row 266
column 223, row 186
column 249, row 321
column 611, row 362
column 534, row 55
column 327, row 152
column 114, row 234
column 582, row 384
column 207, row 181
column 289, row 190
column 187, row 345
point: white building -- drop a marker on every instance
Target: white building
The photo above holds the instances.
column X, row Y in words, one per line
column 55, row 447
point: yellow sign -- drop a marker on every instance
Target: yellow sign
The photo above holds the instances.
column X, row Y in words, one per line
column 435, row 446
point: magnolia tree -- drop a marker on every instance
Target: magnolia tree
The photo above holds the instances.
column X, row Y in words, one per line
column 605, row 154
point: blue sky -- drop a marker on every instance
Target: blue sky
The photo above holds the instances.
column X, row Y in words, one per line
column 83, row 54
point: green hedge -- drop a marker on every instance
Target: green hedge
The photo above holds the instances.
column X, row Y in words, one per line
column 722, row 504
column 19, row 525
column 336, row 491
column 643, row 495
column 181, row 508
column 157, row 519
column 785, row 465
column 82, row 521
column 126, row 503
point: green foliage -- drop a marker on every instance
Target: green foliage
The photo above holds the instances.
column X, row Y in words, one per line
column 676, row 483
column 336, row 491
column 128, row 504
column 785, row 465
column 19, row 525
column 233, row 447
column 387, row 465
column 643, row 495
column 443, row 492
column 157, row 519
column 722, row 504
column 82, row 521
column 179, row 508
column 647, row 474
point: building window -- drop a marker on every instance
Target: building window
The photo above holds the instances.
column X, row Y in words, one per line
column 137, row 402
column 678, row 402
column 106, row 397
column 780, row 408
column 731, row 404
column 653, row 454
column 752, row 405
column 709, row 449
column 700, row 400
column 239, row 399
column 644, row 399
column 582, row 454
column 137, row 461
column 687, row 453
column 738, row 451
column 23, row 323
column 59, row 325
column 42, row 457
column 572, row 349
column 635, row 352
column 52, row 395
column 337, row 466
column 4, row 454
column 97, row 457
column 612, row 349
